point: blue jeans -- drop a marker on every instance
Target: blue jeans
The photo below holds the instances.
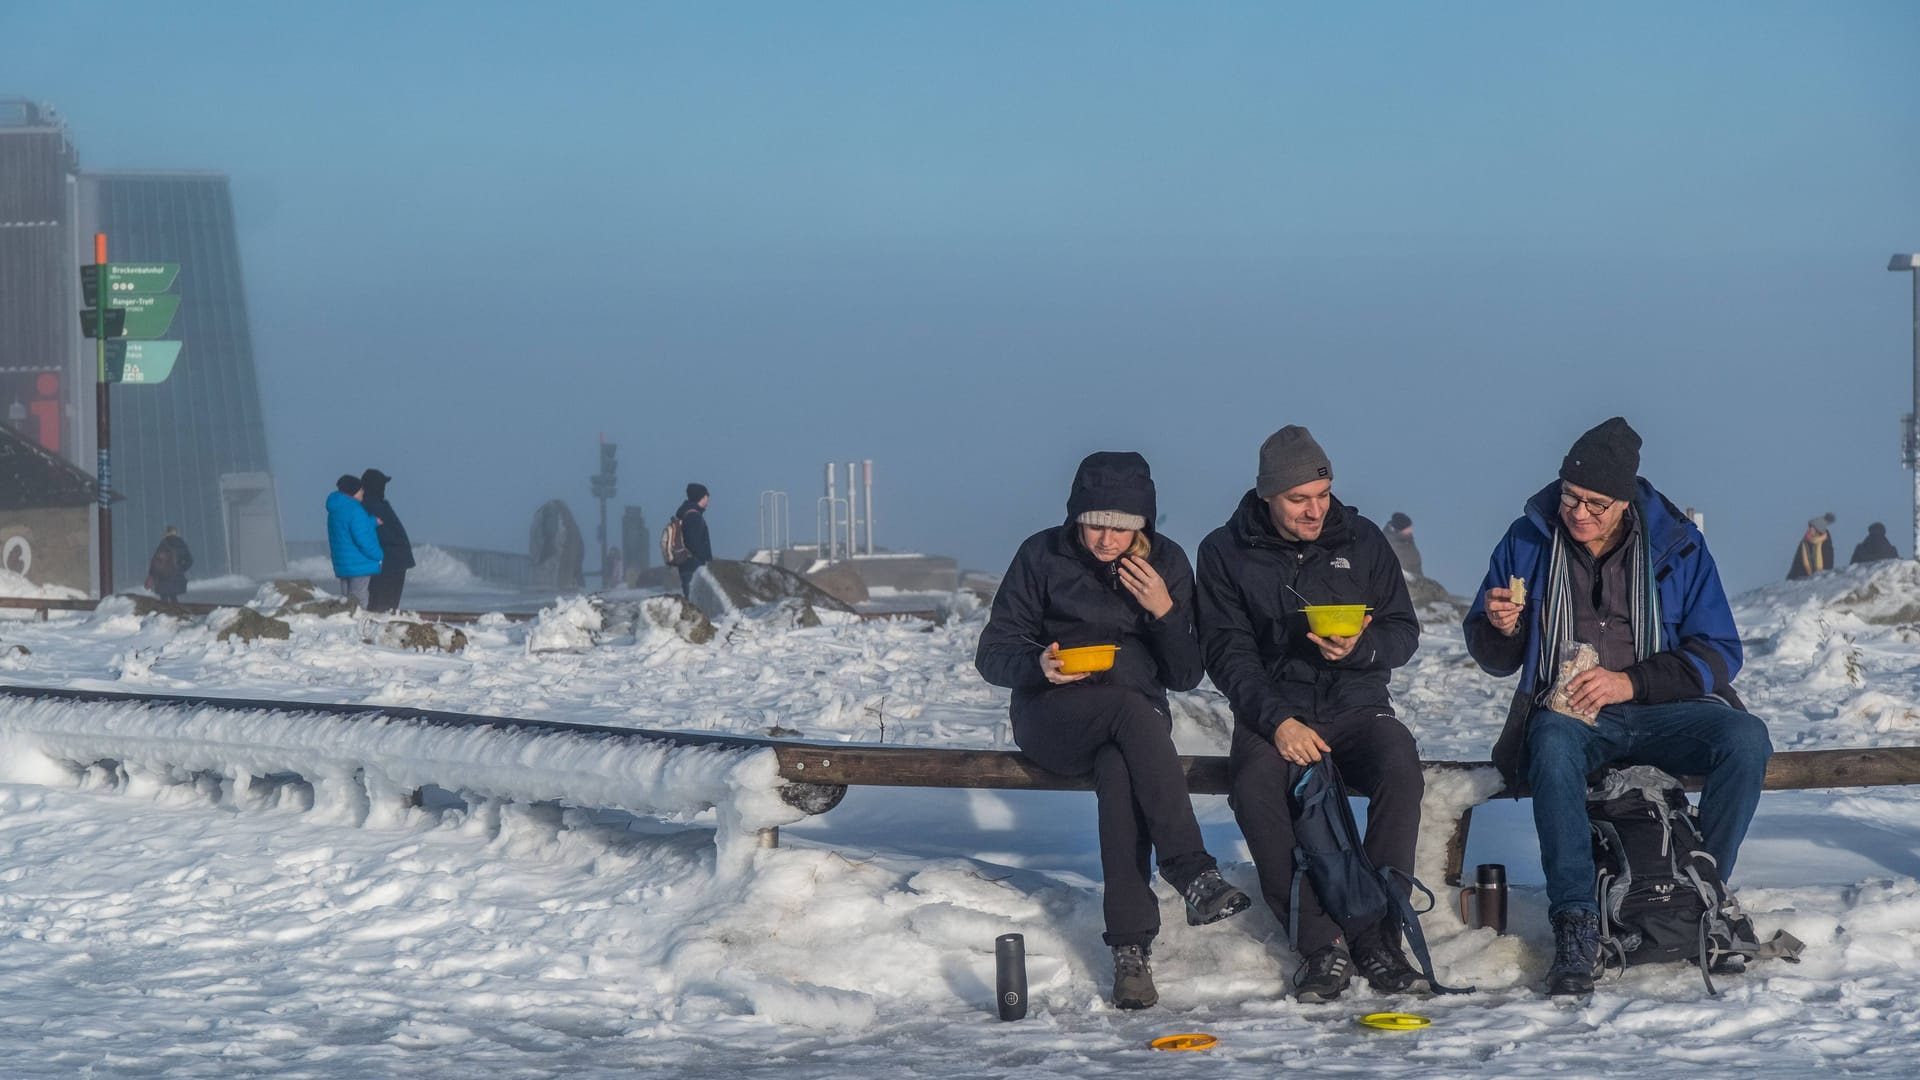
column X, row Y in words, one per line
column 1702, row 737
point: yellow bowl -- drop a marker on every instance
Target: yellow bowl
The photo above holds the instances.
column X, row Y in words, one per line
column 1087, row 658
column 1335, row 620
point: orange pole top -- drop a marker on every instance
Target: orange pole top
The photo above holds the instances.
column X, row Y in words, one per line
column 100, row 249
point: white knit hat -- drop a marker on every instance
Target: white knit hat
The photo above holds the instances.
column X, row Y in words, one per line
column 1112, row 519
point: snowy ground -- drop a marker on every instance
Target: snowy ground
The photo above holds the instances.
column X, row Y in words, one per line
column 159, row 928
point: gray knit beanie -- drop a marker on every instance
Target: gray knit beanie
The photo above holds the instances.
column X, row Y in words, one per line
column 1288, row 459
column 1112, row 519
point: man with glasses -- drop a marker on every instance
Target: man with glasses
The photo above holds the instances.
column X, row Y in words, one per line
column 1602, row 558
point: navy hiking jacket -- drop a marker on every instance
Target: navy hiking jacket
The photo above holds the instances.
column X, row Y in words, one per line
column 1698, row 653
column 1255, row 637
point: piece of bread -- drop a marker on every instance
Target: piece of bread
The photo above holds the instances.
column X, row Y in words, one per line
column 1518, row 585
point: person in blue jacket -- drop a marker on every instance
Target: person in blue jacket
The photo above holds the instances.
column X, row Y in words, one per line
column 352, row 538
column 1603, row 558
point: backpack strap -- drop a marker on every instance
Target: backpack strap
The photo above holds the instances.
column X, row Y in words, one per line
column 1410, row 924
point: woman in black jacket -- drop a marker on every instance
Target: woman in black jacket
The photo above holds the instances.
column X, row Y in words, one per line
column 1105, row 577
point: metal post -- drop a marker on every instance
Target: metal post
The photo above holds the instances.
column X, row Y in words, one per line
column 1915, row 275
column 103, row 416
column 853, row 504
column 604, row 583
column 833, row 523
column 868, row 517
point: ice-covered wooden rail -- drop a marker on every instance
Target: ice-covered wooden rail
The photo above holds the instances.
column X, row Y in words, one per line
column 42, row 607
column 497, row 757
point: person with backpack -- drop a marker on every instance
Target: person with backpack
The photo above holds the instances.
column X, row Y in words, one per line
column 1106, row 577
column 167, row 570
column 395, row 546
column 1602, row 559
column 1299, row 698
column 686, row 546
column 353, row 538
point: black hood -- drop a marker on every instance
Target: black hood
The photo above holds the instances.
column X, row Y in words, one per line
column 1113, row 480
column 374, row 483
column 1252, row 524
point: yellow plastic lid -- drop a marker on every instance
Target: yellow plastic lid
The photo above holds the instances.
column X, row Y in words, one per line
column 1191, row 1041
column 1395, row 1021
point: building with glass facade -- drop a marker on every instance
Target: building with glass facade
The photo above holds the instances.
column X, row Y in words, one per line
column 40, row 397
column 190, row 451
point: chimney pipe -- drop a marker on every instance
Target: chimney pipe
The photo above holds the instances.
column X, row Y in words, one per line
column 868, row 517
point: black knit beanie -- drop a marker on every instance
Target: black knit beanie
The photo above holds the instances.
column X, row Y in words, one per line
column 696, row 492
column 1606, row 459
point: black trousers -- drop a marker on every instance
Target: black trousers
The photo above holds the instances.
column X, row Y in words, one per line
column 1377, row 757
column 687, row 570
column 383, row 590
column 1125, row 740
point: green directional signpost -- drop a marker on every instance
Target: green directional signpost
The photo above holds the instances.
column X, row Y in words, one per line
column 127, row 307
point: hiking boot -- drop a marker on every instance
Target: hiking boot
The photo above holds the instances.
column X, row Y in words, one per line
column 1133, row 977
column 1324, row 975
column 1576, row 954
column 1377, row 954
column 1210, row 899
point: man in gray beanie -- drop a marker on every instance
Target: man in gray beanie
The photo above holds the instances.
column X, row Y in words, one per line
column 1575, row 568
column 1298, row 696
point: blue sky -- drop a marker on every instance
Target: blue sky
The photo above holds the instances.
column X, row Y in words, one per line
column 976, row 241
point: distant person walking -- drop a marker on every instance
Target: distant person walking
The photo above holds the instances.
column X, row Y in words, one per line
column 167, row 570
column 616, row 564
column 1876, row 547
column 1816, row 550
column 1399, row 532
column 692, row 516
column 353, row 539
column 395, row 546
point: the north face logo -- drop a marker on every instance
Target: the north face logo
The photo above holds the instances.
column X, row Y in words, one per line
column 1340, row 563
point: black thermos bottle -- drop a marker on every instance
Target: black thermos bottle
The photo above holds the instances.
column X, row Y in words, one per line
column 1010, row 958
column 1491, row 895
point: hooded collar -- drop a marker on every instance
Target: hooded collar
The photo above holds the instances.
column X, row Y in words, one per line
column 1665, row 526
column 1252, row 524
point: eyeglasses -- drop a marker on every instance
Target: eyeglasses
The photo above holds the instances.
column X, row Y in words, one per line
column 1594, row 507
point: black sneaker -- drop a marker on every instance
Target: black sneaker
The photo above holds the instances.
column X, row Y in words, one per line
column 1576, row 954
column 1324, row 975
column 1378, row 956
column 1133, row 977
column 1210, row 899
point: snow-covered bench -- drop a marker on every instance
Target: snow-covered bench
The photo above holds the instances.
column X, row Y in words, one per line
column 369, row 764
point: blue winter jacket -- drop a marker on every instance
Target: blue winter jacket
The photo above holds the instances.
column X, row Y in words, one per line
column 1698, row 653
column 352, row 538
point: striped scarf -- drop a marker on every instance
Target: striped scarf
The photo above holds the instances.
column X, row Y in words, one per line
column 1556, row 627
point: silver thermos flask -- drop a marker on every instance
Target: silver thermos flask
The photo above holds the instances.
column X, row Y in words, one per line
column 1010, row 983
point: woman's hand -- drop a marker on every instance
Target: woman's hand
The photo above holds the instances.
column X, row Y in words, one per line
column 1299, row 743
column 1050, row 667
column 1145, row 583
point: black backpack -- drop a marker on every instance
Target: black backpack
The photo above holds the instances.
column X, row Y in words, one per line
column 1659, row 892
column 1327, row 851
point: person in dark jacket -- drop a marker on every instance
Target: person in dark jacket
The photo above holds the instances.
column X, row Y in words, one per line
column 1815, row 552
column 1585, row 552
column 167, row 570
column 1399, row 533
column 384, row 589
column 1298, row 696
column 1876, row 547
column 693, row 533
column 1106, row 577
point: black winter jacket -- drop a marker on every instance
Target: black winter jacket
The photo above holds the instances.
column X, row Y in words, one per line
column 395, row 546
column 693, row 533
column 1255, row 638
column 1875, row 548
column 1056, row 590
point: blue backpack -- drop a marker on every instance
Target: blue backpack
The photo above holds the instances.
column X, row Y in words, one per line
column 1327, row 852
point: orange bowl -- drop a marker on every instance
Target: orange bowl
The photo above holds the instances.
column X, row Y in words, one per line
column 1087, row 658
